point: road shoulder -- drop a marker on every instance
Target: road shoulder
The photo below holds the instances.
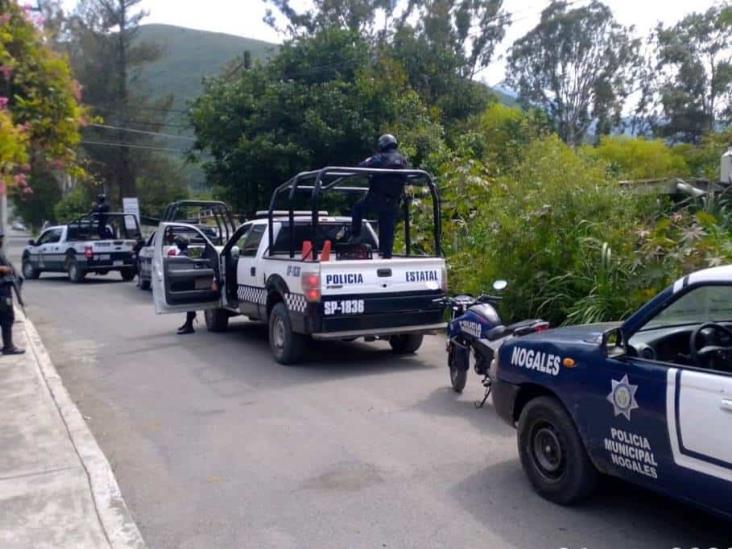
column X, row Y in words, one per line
column 57, row 488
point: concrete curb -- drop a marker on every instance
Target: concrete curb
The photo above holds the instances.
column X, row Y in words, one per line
column 114, row 517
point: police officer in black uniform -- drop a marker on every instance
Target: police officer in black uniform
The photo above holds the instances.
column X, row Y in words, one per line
column 99, row 212
column 385, row 191
column 181, row 242
column 7, row 314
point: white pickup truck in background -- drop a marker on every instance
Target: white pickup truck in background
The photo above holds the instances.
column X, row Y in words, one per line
column 81, row 247
column 261, row 273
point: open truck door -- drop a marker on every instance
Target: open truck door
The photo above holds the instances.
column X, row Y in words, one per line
column 184, row 282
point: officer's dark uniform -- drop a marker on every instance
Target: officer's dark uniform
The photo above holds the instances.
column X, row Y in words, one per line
column 7, row 314
column 383, row 195
column 181, row 243
column 99, row 212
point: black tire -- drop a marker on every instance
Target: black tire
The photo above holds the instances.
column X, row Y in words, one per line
column 127, row 274
column 76, row 273
column 144, row 283
column 405, row 344
column 217, row 320
column 552, row 453
column 29, row 271
column 458, row 376
column 287, row 346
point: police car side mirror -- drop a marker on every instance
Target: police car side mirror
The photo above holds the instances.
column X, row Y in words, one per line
column 31, row 242
column 235, row 252
column 613, row 345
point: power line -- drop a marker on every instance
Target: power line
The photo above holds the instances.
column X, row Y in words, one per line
column 131, row 146
column 158, row 109
column 156, row 134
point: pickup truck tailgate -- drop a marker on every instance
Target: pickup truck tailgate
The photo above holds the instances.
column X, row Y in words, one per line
column 109, row 246
column 380, row 276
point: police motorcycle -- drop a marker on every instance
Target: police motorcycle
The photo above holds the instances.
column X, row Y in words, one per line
column 476, row 326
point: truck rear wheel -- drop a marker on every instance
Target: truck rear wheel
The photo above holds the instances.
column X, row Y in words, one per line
column 76, row 273
column 127, row 274
column 217, row 320
column 552, row 453
column 287, row 346
column 405, row 344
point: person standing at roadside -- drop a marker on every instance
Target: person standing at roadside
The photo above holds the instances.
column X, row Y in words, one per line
column 7, row 313
column 181, row 243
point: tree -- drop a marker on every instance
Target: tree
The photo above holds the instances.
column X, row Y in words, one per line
column 577, row 64
column 321, row 100
column 694, row 68
column 39, row 110
column 442, row 44
column 107, row 58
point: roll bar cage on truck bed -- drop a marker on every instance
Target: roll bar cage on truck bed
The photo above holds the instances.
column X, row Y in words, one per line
column 331, row 178
column 273, row 270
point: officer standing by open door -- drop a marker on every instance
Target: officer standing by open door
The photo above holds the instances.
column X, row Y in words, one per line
column 385, row 191
column 7, row 313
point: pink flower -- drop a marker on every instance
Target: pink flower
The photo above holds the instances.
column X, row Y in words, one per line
column 4, row 18
column 3, row 102
column 21, row 180
column 27, row 191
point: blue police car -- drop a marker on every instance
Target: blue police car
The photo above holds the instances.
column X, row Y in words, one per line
column 648, row 400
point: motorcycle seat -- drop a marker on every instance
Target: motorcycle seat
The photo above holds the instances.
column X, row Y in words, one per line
column 502, row 331
column 497, row 332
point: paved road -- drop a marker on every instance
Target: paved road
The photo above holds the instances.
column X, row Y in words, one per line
column 215, row 445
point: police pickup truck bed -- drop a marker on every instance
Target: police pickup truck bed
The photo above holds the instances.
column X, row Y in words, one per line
column 79, row 248
column 331, row 298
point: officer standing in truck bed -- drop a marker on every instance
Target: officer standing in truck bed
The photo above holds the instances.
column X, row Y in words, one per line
column 385, row 191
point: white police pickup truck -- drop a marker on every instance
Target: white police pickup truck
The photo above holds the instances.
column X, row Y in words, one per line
column 82, row 247
column 278, row 270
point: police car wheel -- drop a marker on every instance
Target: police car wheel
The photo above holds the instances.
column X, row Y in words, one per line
column 76, row 273
column 127, row 274
column 552, row 453
column 29, row 271
column 287, row 346
column 217, row 320
column 406, row 343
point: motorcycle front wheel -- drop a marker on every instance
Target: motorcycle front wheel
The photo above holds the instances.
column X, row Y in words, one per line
column 458, row 375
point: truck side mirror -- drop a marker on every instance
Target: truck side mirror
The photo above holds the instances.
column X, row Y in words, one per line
column 31, row 242
column 613, row 344
column 235, row 252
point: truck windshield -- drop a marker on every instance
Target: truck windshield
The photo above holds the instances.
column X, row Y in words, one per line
column 711, row 303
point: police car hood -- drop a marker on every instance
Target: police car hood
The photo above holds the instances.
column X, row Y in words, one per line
column 587, row 333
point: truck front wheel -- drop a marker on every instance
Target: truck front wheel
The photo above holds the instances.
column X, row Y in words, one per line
column 287, row 346
column 405, row 344
column 217, row 320
column 552, row 453
column 29, row 271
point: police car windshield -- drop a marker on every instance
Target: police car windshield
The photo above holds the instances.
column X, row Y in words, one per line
column 704, row 304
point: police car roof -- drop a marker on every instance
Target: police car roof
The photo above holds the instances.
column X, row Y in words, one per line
column 722, row 273
column 304, row 219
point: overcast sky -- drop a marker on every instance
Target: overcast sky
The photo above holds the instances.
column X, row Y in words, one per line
column 244, row 18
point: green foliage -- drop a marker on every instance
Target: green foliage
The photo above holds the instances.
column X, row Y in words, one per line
column 694, row 71
column 75, row 203
column 579, row 65
column 37, row 207
column 39, row 111
column 320, row 101
column 637, row 158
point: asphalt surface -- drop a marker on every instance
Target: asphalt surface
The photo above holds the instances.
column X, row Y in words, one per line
column 216, row 445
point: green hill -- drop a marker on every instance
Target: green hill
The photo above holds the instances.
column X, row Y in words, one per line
column 189, row 55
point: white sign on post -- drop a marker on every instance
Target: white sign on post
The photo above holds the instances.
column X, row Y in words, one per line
column 131, row 206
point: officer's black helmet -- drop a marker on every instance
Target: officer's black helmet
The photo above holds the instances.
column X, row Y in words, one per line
column 101, row 197
column 387, row 142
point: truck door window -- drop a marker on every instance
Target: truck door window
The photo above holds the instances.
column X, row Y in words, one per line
column 250, row 243
column 50, row 237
